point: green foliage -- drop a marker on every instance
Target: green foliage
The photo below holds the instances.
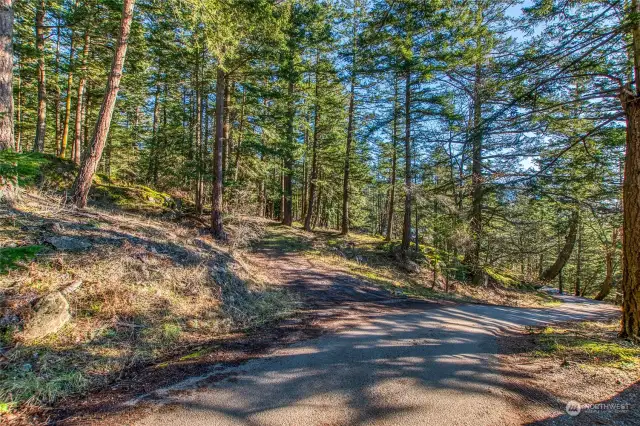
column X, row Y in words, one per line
column 12, row 257
column 35, row 169
column 500, row 278
column 171, row 331
column 588, row 343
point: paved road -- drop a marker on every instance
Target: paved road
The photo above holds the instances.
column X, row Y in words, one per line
column 394, row 365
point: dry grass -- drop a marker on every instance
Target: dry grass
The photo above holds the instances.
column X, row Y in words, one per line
column 575, row 361
column 587, row 343
column 150, row 288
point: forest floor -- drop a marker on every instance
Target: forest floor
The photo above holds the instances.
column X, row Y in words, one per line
column 584, row 362
column 154, row 300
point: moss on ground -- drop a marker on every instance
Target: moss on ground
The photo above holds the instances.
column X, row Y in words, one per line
column 51, row 173
column 35, row 169
column 587, row 343
column 13, row 257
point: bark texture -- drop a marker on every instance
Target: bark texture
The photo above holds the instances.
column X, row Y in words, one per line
column 218, row 145
column 67, row 105
column 350, row 126
column 6, row 76
column 394, row 162
column 406, row 227
column 630, row 327
column 314, row 162
column 287, row 189
column 608, row 279
column 477, row 181
column 90, row 161
column 80, row 106
column 41, row 124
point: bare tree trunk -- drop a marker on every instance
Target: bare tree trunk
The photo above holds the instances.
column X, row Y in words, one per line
column 406, row 228
column 352, row 98
column 236, row 162
column 226, row 127
column 6, row 75
column 477, row 181
column 394, row 161
column 77, row 136
column 152, row 172
column 216, row 196
column 553, row 271
column 560, row 283
column 197, row 127
column 90, row 161
column 18, row 127
column 631, row 237
column 314, row 156
column 579, row 262
column 67, row 109
column 287, row 217
column 41, row 124
column 608, row 279
column 86, row 111
column 630, row 324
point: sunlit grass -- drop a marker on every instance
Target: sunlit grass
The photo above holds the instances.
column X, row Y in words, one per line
column 589, row 343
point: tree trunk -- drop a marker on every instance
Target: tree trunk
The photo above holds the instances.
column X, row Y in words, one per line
column 570, row 241
column 609, row 255
column 6, row 75
column 80, row 107
column 90, row 161
column 287, row 217
column 197, row 128
column 236, row 162
column 18, row 127
column 394, row 161
column 417, row 221
column 152, row 172
column 631, row 235
column 560, row 283
column 226, row 128
column 406, row 228
column 218, row 146
column 314, row 158
column 350, row 124
column 67, row 106
column 41, row 124
column 579, row 262
column 477, row 180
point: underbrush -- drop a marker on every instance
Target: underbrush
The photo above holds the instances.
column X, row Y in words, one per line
column 142, row 290
column 586, row 343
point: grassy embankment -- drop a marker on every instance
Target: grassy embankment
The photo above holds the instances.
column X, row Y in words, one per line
column 150, row 288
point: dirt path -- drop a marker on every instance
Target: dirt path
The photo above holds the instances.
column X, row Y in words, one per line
column 387, row 360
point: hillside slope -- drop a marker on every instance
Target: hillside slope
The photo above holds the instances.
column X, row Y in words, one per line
column 136, row 287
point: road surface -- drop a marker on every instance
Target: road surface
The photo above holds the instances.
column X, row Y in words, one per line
column 393, row 364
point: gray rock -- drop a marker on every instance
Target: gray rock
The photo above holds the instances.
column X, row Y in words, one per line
column 411, row 267
column 72, row 286
column 51, row 314
column 57, row 228
column 68, row 243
